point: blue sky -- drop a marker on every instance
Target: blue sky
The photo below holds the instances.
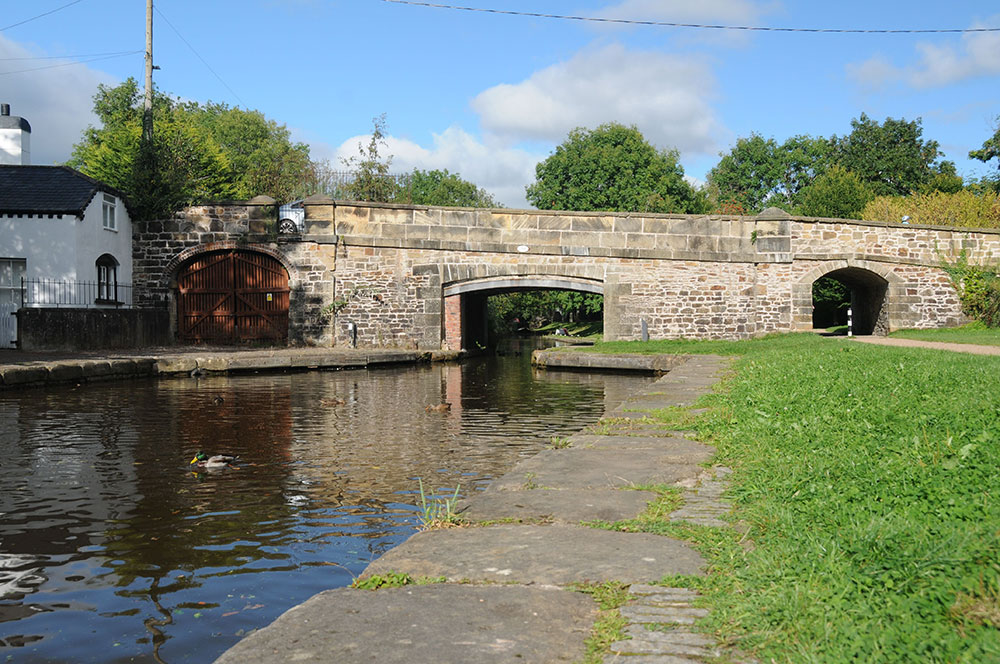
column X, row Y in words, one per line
column 489, row 95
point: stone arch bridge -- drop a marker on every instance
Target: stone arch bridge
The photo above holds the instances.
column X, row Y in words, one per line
column 418, row 277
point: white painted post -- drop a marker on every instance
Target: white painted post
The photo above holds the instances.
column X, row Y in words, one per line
column 850, row 323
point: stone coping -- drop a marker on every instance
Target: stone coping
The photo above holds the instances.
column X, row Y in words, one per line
column 586, row 361
column 38, row 370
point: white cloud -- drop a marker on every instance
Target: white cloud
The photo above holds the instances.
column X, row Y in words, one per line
column 56, row 101
column 977, row 54
column 665, row 96
column 502, row 171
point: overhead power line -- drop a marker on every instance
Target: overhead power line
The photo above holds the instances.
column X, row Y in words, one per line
column 699, row 26
column 28, row 20
column 70, row 64
column 71, row 57
column 198, row 55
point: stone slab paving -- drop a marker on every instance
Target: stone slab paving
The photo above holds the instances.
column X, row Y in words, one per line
column 573, row 468
column 528, row 554
column 564, row 506
column 673, row 449
column 703, row 503
column 658, row 631
column 423, row 624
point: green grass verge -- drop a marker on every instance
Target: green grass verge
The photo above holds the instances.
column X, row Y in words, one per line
column 868, row 480
column 973, row 333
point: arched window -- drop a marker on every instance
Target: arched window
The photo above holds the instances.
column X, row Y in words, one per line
column 107, row 279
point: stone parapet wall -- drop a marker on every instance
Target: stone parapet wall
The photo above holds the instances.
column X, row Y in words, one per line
column 584, row 234
column 870, row 240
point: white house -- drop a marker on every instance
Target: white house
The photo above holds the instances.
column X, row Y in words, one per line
column 67, row 235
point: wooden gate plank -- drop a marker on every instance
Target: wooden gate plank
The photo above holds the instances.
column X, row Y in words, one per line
column 215, row 298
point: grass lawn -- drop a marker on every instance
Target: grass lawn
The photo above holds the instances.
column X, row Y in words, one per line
column 973, row 333
column 869, row 482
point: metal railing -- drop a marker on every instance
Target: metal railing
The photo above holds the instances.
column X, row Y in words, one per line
column 71, row 293
column 352, row 185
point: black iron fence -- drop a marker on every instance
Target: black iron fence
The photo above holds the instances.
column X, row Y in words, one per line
column 71, row 293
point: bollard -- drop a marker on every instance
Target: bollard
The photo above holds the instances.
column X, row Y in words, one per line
column 850, row 323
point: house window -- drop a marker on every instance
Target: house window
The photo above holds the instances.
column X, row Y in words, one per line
column 11, row 272
column 107, row 279
column 109, row 212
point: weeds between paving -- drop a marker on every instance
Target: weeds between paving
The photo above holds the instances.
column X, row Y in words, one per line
column 868, row 480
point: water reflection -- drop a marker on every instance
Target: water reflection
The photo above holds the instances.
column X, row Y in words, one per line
column 113, row 549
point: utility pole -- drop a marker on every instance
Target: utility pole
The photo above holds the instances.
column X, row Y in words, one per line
column 147, row 113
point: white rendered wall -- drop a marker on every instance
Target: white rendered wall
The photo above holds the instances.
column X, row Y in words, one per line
column 93, row 240
column 15, row 147
column 65, row 248
column 47, row 243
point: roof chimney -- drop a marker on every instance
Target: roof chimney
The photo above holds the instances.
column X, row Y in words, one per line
column 15, row 138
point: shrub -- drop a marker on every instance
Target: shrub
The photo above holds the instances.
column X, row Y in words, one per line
column 964, row 209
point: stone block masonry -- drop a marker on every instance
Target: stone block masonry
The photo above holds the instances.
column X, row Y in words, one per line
column 396, row 276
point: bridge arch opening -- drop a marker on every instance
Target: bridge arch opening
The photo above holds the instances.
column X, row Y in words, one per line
column 861, row 290
column 467, row 310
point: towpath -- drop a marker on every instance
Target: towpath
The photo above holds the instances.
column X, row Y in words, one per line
column 899, row 342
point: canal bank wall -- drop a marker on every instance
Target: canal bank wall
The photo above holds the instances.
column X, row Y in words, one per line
column 23, row 369
column 26, row 369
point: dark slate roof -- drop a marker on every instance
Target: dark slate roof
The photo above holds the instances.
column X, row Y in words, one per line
column 47, row 190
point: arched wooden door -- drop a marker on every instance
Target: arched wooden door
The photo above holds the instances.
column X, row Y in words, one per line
column 232, row 296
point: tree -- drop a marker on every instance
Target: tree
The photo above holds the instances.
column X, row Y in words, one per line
column 197, row 153
column 612, row 168
column 836, row 193
column 990, row 150
column 180, row 166
column 891, row 158
column 758, row 173
column 444, row 188
column 372, row 180
column 262, row 157
column 749, row 174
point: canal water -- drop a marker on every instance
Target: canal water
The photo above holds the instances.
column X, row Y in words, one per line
column 112, row 549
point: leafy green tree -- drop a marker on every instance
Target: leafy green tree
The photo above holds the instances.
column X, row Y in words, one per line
column 891, row 157
column 612, row 168
column 262, row 157
column 180, row 166
column 749, row 175
column 836, row 193
column 804, row 159
column 990, row 150
column 758, row 173
column 443, row 188
column 197, row 153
